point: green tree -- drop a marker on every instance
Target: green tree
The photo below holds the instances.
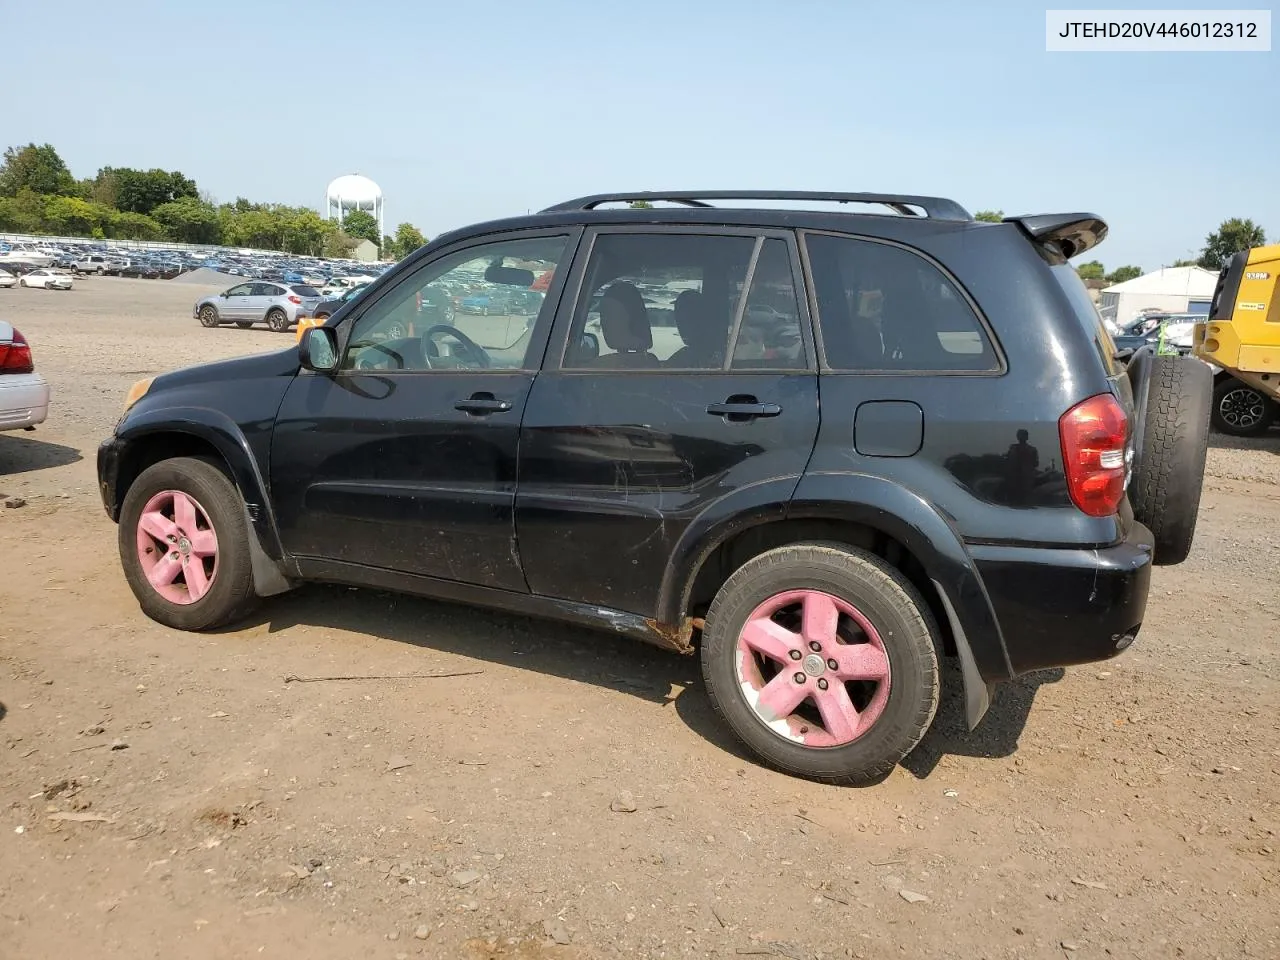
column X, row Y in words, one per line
column 1121, row 274
column 35, row 168
column 141, row 191
column 1186, row 263
column 641, row 205
column 338, row 245
column 1093, row 270
column 188, row 220
column 71, row 216
column 133, row 226
column 989, row 216
column 23, row 213
column 408, row 238
column 1229, row 239
column 306, row 232
column 361, row 225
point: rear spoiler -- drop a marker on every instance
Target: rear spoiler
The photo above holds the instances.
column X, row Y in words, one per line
column 1070, row 233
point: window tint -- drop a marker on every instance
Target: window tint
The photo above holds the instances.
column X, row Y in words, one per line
column 470, row 310
column 881, row 307
column 669, row 301
column 770, row 333
column 1087, row 313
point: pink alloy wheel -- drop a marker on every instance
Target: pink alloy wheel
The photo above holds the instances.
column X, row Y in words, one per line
column 813, row 668
column 177, row 546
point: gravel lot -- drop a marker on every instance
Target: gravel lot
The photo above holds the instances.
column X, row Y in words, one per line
column 175, row 795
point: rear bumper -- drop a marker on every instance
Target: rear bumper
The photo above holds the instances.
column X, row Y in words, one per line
column 24, row 400
column 1059, row 607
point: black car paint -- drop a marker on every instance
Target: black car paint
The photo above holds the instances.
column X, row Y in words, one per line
column 606, row 519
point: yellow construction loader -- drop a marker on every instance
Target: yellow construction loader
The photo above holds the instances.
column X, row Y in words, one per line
column 1241, row 341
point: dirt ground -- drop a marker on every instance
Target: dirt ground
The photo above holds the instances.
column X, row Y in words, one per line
column 168, row 795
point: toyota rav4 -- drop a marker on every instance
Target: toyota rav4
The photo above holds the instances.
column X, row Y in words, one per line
column 862, row 442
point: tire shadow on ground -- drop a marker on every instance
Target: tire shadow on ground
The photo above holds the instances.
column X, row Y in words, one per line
column 996, row 735
column 617, row 663
column 22, row 454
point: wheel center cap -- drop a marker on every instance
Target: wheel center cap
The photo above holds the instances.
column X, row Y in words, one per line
column 184, row 547
column 814, row 665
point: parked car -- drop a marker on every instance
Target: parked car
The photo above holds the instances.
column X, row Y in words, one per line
column 47, row 279
column 276, row 304
column 7, row 279
column 91, row 263
column 937, row 452
column 24, row 394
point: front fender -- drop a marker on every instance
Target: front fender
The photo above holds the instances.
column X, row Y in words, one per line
column 225, row 436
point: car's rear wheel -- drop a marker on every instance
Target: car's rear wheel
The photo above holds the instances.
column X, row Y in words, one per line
column 1171, row 443
column 1241, row 411
column 277, row 321
column 244, row 324
column 822, row 660
column 209, row 316
column 184, row 545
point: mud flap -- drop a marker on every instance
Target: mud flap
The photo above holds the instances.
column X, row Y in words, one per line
column 269, row 578
column 977, row 692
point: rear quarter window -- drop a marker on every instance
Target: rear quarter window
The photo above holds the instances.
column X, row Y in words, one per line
column 885, row 308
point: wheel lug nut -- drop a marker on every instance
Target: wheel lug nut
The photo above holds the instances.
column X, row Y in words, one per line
column 822, row 684
column 799, row 678
column 795, row 654
column 833, row 665
column 815, row 646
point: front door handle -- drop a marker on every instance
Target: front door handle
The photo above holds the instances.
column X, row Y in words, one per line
column 482, row 403
column 736, row 409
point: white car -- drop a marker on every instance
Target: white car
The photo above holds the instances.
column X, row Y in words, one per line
column 47, row 279
column 24, row 394
column 7, row 279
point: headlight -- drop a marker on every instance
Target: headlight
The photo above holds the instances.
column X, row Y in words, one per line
column 137, row 392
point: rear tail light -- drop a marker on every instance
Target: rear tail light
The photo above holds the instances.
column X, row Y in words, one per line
column 15, row 357
column 1095, row 440
column 293, row 299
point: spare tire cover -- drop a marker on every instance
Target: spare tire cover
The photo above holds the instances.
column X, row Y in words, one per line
column 1173, row 396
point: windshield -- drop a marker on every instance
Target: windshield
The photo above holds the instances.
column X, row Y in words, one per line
column 1086, row 312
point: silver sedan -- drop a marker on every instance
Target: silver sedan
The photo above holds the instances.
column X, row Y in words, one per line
column 278, row 305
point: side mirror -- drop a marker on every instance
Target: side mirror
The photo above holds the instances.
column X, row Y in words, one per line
column 318, row 350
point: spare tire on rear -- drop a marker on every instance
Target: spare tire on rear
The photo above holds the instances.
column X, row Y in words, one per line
column 1172, row 399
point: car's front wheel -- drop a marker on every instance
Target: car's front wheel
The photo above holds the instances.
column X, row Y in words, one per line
column 184, row 545
column 209, row 316
column 822, row 660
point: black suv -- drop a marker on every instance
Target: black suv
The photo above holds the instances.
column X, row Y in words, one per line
column 861, row 442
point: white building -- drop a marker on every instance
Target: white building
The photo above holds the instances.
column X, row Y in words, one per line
column 1171, row 290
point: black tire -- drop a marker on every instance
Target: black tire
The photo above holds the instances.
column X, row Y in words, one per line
column 244, row 324
column 231, row 594
column 1241, row 411
column 209, row 316
column 892, row 605
column 1171, row 443
column 277, row 321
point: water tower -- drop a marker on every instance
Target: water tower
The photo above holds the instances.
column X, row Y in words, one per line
column 354, row 192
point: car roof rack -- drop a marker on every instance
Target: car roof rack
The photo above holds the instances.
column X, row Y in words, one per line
column 936, row 208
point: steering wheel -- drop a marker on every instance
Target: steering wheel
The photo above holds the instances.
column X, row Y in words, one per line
column 472, row 352
column 363, row 364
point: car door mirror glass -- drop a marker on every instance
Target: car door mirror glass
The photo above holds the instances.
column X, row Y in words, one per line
column 320, row 350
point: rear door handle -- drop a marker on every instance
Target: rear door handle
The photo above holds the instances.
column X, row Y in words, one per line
column 482, row 404
column 743, row 411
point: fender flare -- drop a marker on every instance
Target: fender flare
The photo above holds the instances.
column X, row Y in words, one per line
column 270, row 564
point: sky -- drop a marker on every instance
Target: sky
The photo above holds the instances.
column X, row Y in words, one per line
column 471, row 111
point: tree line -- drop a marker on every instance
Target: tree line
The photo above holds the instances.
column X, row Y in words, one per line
column 1221, row 245
column 39, row 195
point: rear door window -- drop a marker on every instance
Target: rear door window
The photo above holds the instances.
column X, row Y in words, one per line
column 885, row 308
